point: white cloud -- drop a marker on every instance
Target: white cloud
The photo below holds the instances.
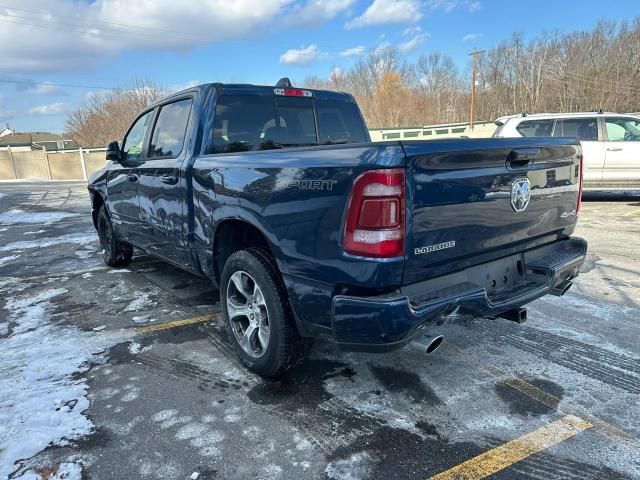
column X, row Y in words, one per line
column 413, row 43
column 471, row 36
column 183, row 86
column 50, row 109
column 354, row 52
column 77, row 35
column 302, row 56
column 411, row 31
column 388, row 11
column 475, row 6
column 306, row 55
column 443, row 5
column 447, row 6
column 317, row 11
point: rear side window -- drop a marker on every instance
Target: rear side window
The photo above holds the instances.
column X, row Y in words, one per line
column 170, row 130
column 584, row 129
column 339, row 122
column 264, row 122
column 535, row 128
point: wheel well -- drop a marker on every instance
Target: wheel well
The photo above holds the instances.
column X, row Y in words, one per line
column 231, row 236
column 96, row 203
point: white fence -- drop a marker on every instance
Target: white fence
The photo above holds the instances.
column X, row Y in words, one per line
column 43, row 165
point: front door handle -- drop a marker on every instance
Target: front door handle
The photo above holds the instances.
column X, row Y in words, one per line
column 614, row 149
column 169, row 179
column 132, row 178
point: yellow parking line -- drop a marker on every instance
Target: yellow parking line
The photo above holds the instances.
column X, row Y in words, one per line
column 533, row 392
column 516, row 450
column 175, row 324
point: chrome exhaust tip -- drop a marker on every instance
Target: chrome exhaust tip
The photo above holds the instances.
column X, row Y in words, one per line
column 433, row 344
column 561, row 290
column 566, row 288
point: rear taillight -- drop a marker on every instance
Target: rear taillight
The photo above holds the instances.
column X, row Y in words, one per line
column 375, row 215
column 579, row 205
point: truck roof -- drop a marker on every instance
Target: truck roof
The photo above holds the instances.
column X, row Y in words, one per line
column 250, row 89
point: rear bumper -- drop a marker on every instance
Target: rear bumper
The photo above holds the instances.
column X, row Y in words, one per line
column 486, row 290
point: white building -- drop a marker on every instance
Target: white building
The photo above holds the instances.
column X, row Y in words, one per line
column 6, row 131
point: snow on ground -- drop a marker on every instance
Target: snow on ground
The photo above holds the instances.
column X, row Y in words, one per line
column 140, row 301
column 40, row 401
column 66, row 471
column 19, row 216
column 75, row 238
column 8, row 259
column 352, row 468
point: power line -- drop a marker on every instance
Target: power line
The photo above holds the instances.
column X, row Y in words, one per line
column 140, row 27
column 612, row 82
column 80, row 28
column 66, row 85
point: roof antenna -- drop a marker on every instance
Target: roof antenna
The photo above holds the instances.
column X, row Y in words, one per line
column 284, row 82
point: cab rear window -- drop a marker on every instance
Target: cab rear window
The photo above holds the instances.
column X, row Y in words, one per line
column 258, row 122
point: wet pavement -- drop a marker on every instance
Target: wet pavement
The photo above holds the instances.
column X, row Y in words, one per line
column 128, row 373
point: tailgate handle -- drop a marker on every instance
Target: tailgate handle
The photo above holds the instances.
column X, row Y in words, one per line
column 522, row 157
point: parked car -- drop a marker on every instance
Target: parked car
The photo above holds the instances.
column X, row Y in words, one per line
column 610, row 143
column 309, row 229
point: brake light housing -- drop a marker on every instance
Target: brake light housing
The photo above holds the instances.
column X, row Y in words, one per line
column 375, row 220
column 292, row 92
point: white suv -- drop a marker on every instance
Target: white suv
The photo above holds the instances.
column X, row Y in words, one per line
column 610, row 143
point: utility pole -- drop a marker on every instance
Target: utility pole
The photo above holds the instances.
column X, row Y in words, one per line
column 473, row 86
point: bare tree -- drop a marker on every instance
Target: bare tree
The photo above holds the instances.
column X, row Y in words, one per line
column 577, row 71
column 106, row 117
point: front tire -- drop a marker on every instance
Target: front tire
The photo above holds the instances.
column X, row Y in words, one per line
column 114, row 252
column 258, row 315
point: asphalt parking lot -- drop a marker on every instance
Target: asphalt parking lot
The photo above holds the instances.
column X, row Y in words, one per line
column 127, row 373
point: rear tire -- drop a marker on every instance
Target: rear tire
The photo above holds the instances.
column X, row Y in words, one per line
column 258, row 315
column 114, row 252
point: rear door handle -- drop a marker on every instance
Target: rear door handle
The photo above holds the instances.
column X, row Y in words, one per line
column 521, row 157
column 169, row 179
column 132, row 178
column 614, row 149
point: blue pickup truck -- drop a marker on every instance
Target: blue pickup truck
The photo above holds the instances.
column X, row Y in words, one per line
column 279, row 197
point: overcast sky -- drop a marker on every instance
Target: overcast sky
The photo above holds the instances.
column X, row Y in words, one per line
column 107, row 43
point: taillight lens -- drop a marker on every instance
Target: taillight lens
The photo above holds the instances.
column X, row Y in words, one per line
column 580, row 189
column 375, row 215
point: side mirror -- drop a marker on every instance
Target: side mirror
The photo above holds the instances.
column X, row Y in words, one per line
column 113, row 152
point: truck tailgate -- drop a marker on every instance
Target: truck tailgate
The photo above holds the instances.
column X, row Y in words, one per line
column 474, row 200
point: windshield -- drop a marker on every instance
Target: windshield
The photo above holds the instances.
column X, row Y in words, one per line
column 257, row 122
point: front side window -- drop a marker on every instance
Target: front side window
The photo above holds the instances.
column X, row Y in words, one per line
column 584, row 129
column 535, row 128
column 133, row 144
column 263, row 122
column 170, row 130
column 623, row 129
